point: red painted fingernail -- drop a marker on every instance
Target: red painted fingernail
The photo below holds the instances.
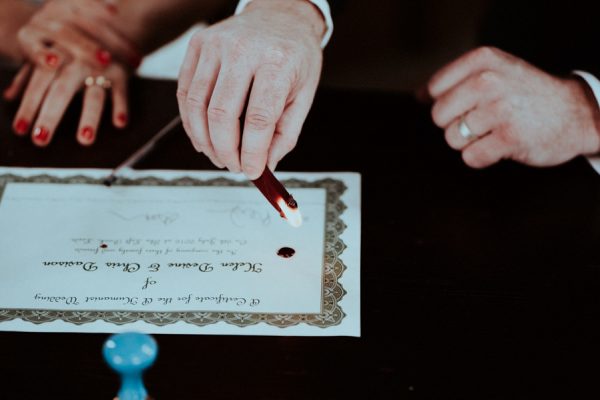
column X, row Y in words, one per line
column 112, row 8
column 103, row 57
column 51, row 60
column 21, row 126
column 122, row 118
column 41, row 134
column 87, row 133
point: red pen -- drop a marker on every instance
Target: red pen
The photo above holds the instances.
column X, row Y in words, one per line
column 279, row 197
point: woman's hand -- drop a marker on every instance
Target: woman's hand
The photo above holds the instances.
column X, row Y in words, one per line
column 63, row 59
column 84, row 28
column 50, row 91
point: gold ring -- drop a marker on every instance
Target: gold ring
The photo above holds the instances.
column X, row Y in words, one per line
column 99, row 80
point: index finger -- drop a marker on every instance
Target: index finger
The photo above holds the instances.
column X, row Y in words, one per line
column 270, row 91
column 472, row 62
column 186, row 74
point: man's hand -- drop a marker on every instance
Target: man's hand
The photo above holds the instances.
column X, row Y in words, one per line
column 268, row 57
column 513, row 110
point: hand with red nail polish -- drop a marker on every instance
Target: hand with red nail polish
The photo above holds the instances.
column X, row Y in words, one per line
column 82, row 29
column 103, row 57
column 51, row 60
column 87, row 135
column 21, row 126
column 67, row 42
column 49, row 92
column 40, row 136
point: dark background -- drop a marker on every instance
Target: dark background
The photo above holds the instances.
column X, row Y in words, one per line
column 397, row 45
column 475, row 284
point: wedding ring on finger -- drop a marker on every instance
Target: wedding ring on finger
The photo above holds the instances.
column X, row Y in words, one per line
column 464, row 129
column 98, row 81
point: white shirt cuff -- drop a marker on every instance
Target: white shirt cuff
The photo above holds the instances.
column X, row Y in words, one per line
column 322, row 5
column 592, row 82
column 594, row 85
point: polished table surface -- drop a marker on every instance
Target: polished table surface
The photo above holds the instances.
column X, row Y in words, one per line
column 475, row 284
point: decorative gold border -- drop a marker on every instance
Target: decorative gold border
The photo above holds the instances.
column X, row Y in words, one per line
column 333, row 267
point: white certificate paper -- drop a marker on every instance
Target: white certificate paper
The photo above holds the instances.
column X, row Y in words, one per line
column 177, row 252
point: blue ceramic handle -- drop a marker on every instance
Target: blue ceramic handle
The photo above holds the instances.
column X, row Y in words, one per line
column 130, row 354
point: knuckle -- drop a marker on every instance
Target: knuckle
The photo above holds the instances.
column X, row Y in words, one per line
column 22, row 35
column 195, row 101
column 251, row 154
column 182, row 94
column 61, row 89
column 200, row 85
column 487, row 52
column 276, row 57
column 487, row 80
column 57, row 27
column 259, row 119
column 502, row 109
column 219, row 114
column 238, row 45
column 197, row 39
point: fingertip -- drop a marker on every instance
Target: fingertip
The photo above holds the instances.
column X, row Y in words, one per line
column 86, row 136
column 230, row 162
column 21, row 126
column 8, row 94
column 272, row 165
column 217, row 163
column 195, row 145
column 432, row 89
column 51, row 60
column 120, row 120
column 209, row 152
column 253, row 172
column 40, row 136
column 422, row 95
column 103, row 57
column 275, row 156
column 473, row 159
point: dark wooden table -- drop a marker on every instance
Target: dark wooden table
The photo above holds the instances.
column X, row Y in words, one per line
column 492, row 277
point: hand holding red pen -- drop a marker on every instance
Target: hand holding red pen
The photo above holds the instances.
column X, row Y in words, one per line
column 269, row 55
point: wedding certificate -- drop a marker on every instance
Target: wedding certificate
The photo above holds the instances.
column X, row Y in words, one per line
column 177, row 252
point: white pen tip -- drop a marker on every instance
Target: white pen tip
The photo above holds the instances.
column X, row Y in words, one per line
column 292, row 215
